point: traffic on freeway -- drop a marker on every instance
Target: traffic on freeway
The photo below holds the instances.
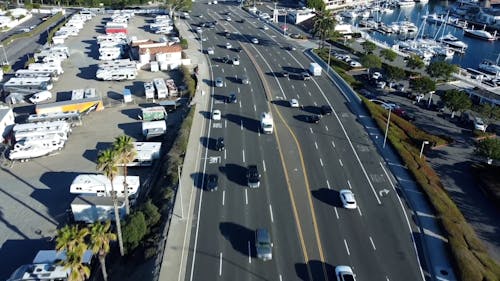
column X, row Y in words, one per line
column 290, row 185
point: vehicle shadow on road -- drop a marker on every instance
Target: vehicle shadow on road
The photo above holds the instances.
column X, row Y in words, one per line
column 208, row 142
column 248, row 123
column 239, row 236
column 317, row 268
column 327, row 196
column 198, row 179
column 283, row 103
column 205, row 114
column 311, row 109
column 235, row 173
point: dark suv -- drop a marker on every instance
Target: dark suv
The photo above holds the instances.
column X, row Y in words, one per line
column 326, row 109
column 219, row 144
column 231, row 99
column 305, row 76
column 253, row 176
column 212, row 182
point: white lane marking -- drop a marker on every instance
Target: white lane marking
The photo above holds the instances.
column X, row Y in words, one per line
column 328, row 184
column 246, row 196
column 321, row 162
column 220, row 264
column 316, row 145
column 341, row 164
column 249, row 253
column 347, row 247
column 251, row 90
column 245, row 69
column 238, row 89
column 349, row 184
column 271, row 211
column 264, row 165
column 333, row 144
column 225, row 85
column 311, row 129
column 298, row 96
column 240, row 104
column 336, row 212
column 315, row 104
column 225, row 123
column 281, row 279
column 225, row 154
column 309, row 93
column 243, row 153
column 293, row 87
column 241, row 125
column 373, row 244
column 326, row 127
column 223, row 197
column 222, row 69
column 359, row 211
column 254, row 108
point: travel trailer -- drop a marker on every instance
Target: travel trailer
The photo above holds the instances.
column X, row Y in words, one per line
column 172, row 88
column 149, row 90
column 119, row 63
column 30, row 130
column 26, row 73
column 147, row 152
column 54, row 66
column 153, row 113
column 100, row 185
column 72, row 117
column 27, row 85
column 161, row 88
column 116, row 74
column 153, row 129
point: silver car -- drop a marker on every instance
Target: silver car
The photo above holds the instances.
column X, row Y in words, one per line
column 263, row 244
column 219, row 83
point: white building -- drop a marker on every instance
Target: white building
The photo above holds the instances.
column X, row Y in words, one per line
column 168, row 56
column 300, row 15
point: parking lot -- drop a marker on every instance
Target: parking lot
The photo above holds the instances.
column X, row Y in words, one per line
column 34, row 195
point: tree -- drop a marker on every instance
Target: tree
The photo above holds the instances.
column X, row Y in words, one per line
column 106, row 162
column 369, row 47
column 70, row 238
column 388, row 54
column 415, row 61
column 441, row 69
column 423, row 85
column 318, row 5
column 134, row 230
column 125, row 153
column 371, row 61
column 456, row 101
column 151, row 213
column 74, row 262
column 489, row 112
column 394, row 73
column 489, row 148
column 100, row 237
column 324, row 26
column 175, row 5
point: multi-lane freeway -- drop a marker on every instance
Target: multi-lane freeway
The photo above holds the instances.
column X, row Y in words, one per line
column 302, row 165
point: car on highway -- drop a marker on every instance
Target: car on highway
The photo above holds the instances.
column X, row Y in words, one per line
column 228, row 45
column 253, row 176
column 236, row 61
column 344, row 273
column 376, row 75
column 199, row 30
column 255, row 40
column 312, row 118
column 295, row 36
column 381, row 84
column 212, row 182
column 263, row 244
column 228, row 19
column 219, row 144
column 305, row 76
column 347, row 198
column 218, row 82
column 290, row 48
column 210, row 51
column 293, row 103
column 232, row 98
column 225, row 59
column 326, row 109
column 244, row 80
column 265, row 27
column 284, row 73
column 216, row 115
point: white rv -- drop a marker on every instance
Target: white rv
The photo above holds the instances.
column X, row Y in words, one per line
column 28, row 85
column 116, row 74
column 147, row 152
column 110, row 54
column 100, row 185
column 27, row 149
column 149, row 90
column 26, row 73
column 115, row 64
column 161, row 88
column 153, row 129
column 46, row 67
column 266, row 123
column 59, row 125
column 90, row 209
column 172, row 88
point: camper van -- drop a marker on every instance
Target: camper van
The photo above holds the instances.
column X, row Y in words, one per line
column 100, row 185
column 161, row 88
column 27, row 85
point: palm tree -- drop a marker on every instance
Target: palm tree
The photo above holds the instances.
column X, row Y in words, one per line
column 78, row 270
column 324, row 26
column 106, row 162
column 126, row 153
column 70, row 238
column 100, row 236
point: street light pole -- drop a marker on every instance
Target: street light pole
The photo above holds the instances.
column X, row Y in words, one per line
column 387, row 126
column 422, row 148
column 329, row 53
column 179, row 190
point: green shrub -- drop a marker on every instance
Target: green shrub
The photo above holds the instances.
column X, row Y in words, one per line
column 184, row 43
column 134, row 230
column 150, row 252
column 151, row 213
column 29, row 61
column 6, row 68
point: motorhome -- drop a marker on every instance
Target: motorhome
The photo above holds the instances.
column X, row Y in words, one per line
column 24, row 131
column 26, row 73
column 147, row 152
column 153, row 129
column 116, row 74
column 110, row 53
column 91, row 209
column 100, row 185
column 72, row 117
column 172, row 88
column 43, row 56
column 27, row 149
column 28, row 85
column 161, row 88
column 117, row 64
column 149, row 90
column 266, row 123
column 40, row 97
column 46, row 67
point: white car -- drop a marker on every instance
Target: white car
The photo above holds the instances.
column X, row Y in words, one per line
column 265, row 27
column 236, row 61
column 376, row 75
column 344, row 273
column 294, row 103
column 229, row 19
column 347, row 198
column 255, row 40
column 381, row 84
column 210, row 51
column 219, row 83
column 40, row 97
column 228, row 45
column 354, row 63
column 216, row 115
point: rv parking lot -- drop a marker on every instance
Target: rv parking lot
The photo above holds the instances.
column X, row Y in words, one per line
column 34, row 195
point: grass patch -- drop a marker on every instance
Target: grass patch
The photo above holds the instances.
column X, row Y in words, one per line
column 53, row 31
column 40, row 28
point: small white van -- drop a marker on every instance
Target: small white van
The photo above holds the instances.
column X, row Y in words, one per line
column 40, row 97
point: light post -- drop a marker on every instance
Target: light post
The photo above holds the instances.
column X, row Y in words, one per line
column 179, row 190
column 387, row 126
column 329, row 54
column 422, row 148
column 430, row 99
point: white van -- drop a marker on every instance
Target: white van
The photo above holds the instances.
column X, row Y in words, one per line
column 479, row 124
column 266, row 123
column 40, row 96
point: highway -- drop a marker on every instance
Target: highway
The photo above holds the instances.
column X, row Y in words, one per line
column 305, row 167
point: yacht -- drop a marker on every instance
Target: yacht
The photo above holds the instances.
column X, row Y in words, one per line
column 480, row 34
column 406, row 3
column 443, row 51
column 453, row 41
column 490, row 67
column 349, row 14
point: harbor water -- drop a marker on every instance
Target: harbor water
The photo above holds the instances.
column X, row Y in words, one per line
column 477, row 51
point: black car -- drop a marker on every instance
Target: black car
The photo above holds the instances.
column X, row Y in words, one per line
column 241, row 21
column 284, row 74
column 291, row 48
column 326, row 109
column 219, row 144
column 305, row 76
column 212, row 182
column 225, row 59
column 253, row 176
column 231, row 99
column 237, row 49
column 313, row 118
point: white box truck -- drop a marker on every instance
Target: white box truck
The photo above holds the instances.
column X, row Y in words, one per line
column 315, row 69
column 266, row 123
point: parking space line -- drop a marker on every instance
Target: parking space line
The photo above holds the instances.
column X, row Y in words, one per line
column 333, row 144
column 240, row 104
column 311, row 129
column 225, row 123
column 225, row 154
column 373, row 244
column 336, row 212
column 249, row 253
column 315, row 104
column 222, row 69
column 220, row 264
column 243, row 153
column 238, row 89
column 316, row 145
column 309, row 93
column 326, row 127
column 264, row 165
column 254, row 108
column 328, row 184
column 293, row 87
column 271, row 212
column 347, row 247
column 349, row 184
column 241, row 125
column 359, row 211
